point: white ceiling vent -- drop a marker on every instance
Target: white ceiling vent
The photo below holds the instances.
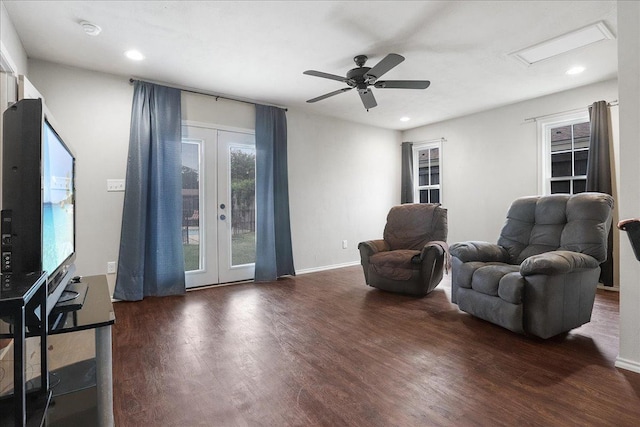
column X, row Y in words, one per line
column 564, row 43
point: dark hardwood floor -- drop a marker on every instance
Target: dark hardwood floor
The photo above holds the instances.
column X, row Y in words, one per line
column 325, row 349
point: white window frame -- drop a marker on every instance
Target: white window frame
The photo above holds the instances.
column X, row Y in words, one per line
column 417, row 147
column 544, row 141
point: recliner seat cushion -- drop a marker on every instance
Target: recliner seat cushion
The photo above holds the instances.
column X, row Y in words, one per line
column 486, row 279
column 395, row 265
column 505, row 282
column 463, row 274
column 511, row 288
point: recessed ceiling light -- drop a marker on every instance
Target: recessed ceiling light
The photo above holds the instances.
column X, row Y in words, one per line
column 405, row 119
column 90, row 28
column 134, row 54
column 575, row 70
column 564, row 43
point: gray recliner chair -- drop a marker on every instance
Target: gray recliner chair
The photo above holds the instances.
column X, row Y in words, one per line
column 541, row 277
column 412, row 255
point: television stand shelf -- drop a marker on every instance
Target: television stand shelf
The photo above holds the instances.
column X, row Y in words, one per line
column 64, row 404
column 37, row 405
column 74, row 393
column 19, row 294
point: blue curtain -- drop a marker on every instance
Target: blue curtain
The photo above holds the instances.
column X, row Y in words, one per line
column 406, row 189
column 151, row 261
column 274, row 255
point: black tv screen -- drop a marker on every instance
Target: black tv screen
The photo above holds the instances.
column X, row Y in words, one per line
column 57, row 201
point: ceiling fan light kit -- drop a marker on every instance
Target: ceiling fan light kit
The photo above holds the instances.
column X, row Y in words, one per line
column 362, row 78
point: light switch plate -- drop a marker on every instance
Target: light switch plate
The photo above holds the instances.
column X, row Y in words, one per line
column 115, row 185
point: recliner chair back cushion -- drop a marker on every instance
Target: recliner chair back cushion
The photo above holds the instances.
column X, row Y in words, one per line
column 541, row 224
column 588, row 225
column 411, row 226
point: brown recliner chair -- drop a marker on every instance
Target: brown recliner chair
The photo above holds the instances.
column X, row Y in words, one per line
column 413, row 253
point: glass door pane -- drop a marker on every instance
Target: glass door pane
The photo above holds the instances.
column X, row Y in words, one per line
column 243, row 204
column 191, row 204
column 199, row 184
column 236, row 206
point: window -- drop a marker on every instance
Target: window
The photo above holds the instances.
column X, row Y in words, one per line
column 565, row 152
column 426, row 172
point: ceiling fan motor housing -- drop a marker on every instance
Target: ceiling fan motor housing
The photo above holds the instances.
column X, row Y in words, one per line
column 358, row 77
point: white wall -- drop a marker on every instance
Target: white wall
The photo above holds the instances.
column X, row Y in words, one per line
column 10, row 43
column 13, row 58
column 491, row 158
column 629, row 87
column 92, row 112
column 343, row 177
column 204, row 109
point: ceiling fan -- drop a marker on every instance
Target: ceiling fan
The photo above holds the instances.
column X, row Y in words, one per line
column 362, row 78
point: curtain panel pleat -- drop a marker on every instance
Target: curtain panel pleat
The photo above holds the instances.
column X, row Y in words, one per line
column 151, row 261
column 274, row 254
column 599, row 172
column 406, row 190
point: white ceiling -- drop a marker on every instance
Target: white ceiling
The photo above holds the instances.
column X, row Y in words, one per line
column 258, row 50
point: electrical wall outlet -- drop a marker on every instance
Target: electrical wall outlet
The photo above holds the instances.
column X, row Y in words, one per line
column 111, row 267
column 344, row 244
column 115, row 185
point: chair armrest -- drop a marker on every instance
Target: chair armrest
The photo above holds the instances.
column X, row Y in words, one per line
column 439, row 247
column 633, row 222
column 479, row 251
column 371, row 247
column 368, row 249
column 436, row 250
column 557, row 262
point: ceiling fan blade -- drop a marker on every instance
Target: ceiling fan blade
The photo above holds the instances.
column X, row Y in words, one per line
column 368, row 99
column 387, row 63
column 403, row 84
column 325, row 75
column 327, row 95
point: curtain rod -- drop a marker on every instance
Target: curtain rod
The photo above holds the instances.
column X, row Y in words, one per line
column 533, row 119
column 200, row 92
column 426, row 141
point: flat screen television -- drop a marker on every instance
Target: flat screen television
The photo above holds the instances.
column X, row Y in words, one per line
column 38, row 197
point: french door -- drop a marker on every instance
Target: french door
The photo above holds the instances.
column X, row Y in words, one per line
column 218, row 226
